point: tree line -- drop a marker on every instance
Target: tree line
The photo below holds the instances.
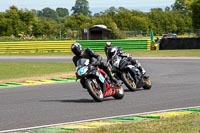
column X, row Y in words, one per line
column 182, row 17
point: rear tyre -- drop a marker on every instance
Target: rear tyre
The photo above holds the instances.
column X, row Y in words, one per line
column 129, row 82
column 148, row 84
column 94, row 92
column 119, row 92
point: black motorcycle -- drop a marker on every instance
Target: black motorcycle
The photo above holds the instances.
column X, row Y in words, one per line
column 95, row 82
column 129, row 74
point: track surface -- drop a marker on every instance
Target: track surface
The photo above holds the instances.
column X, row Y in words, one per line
column 175, row 85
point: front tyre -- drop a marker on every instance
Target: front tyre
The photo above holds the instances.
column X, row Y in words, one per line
column 148, row 84
column 119, row 94
column 129, row 82
column 94, row 92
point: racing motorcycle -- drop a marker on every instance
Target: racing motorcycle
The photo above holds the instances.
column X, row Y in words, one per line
column 129, row 74
column 96, row 82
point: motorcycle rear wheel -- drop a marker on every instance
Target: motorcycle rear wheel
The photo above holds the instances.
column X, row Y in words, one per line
column 119, row 93
column 130, row 83
column 94, row 92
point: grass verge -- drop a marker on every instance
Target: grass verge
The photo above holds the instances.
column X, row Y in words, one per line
column 136, row 53
column 166, row 53
column 180, row 124
column 21, row 71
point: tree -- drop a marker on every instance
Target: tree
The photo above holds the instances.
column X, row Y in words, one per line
column 108, row 21
column 111, row 11
column 4, row 24
column 78, row 21
column 18, row 21
column 81, row 7
column 26, row 16
column 131, row 20
column 48, row 13
column 196, row 14
column 167, row 8
column 44, row 28
column 62, row 12
column 182, row 6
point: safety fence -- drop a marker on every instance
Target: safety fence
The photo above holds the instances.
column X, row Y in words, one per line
column 179, row 43
column 64, row 46
column 98, row 45
column 35, row 46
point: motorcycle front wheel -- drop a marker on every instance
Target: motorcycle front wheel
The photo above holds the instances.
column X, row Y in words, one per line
column 148, row 84
column 95, row 93
column 129, row 82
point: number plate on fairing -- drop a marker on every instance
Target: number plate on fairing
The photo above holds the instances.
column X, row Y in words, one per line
column 82, row 71
column 101, row 78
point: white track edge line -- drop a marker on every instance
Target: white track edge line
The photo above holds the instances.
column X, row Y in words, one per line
column 96, row 119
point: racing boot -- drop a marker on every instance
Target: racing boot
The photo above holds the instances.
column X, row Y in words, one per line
column 83, row 83
column 143, row 72
column 114, row 80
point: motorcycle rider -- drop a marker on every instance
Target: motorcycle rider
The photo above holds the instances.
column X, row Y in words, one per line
column 94, row 58
column 111, row 50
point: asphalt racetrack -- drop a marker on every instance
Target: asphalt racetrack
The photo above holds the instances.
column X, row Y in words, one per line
column 176, row 84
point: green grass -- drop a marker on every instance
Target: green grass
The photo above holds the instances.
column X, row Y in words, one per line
column 136, row 53
column 180, row 124
column 10, row 70
column 166, row 53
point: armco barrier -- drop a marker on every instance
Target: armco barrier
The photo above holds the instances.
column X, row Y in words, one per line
column 180, row 43
column 64, row 46
column 98, row 45
column 35, row 46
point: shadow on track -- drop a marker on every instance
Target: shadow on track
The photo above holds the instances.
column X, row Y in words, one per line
column 75, row 101
column 138, row 89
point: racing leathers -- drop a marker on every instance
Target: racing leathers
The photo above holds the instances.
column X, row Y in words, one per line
column 124, row 55
column 93, row 57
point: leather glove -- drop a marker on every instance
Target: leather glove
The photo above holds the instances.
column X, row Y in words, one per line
column 96, row 63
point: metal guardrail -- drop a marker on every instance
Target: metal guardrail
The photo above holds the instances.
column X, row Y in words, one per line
column 98, row 45
column 64, row 46
column 35, row 46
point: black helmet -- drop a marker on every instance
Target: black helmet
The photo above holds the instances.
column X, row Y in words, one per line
column 119, row 50
column 76, row 48
column 112, row 52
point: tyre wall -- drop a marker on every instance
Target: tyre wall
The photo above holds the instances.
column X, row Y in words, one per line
column 179, row 43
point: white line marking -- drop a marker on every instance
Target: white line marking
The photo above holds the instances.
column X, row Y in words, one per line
column 76, row 122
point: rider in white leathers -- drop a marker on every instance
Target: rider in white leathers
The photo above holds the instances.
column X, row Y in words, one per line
column 111, row 51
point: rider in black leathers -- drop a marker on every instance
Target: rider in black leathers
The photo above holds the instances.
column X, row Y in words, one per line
column 94, row 58
column 119, row 52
